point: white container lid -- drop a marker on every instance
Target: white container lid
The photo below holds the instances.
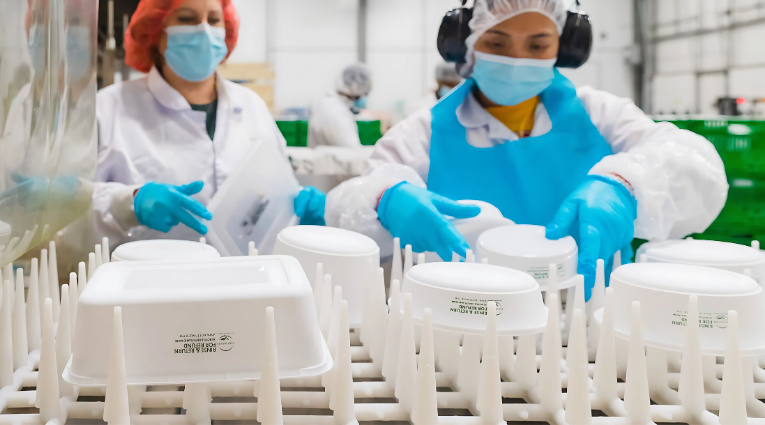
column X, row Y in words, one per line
column 163, row 249
column 328, row 240
column 663, row 291
column 526, row 248
column 471, row 228
column 197, row 321
column 457, row 294
column 724, row 255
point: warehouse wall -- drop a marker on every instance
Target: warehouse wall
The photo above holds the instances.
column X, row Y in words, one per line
column 696, row 63
column 310, row 41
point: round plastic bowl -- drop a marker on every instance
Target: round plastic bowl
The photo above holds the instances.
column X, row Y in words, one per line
column 457, row 294
column 471, row 228
column 525, row 248
column 663, row 291
column 164, row 249
column 720, row 255
column 351, row 258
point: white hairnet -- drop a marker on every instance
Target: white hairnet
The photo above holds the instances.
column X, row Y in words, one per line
column 488, row 13
column 355, row 80
column 447, row 73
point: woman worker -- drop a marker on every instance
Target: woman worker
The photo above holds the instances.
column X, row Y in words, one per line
column 180, row 131
column 519, row 135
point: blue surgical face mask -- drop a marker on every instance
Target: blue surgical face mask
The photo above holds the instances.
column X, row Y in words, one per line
column 360, row 103
column 78, row 52
column 37, row 48
column 510, row 81
column 194, row 52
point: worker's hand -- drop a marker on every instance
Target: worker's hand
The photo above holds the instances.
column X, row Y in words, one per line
column 162, row 206
column 419, row 218
column 600, row 214
column 309, row 206
column 35, row 192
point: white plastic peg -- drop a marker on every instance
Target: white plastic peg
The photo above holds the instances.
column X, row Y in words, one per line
column 425, row 410
column 105, row 251
column 47, row 395
column 7, row 274
column 91, row 265
column 379, row 313
column 396, row 270
column 20, row 346
column 251, row 250
column 407, row 259
column 203, row 240
column 617, row 260
column 326, row 306
column 64, row 343
column 469, row 256
column 269, row 394
column 82, row 277
column 44, row 282
column 326, row 379
column 732, row 397
column 636, row 399
column 33, row 308
column 756, row 245
column 74, row 298
column 605, row 361
column 406, row 377
column 549, row 385
column 490, row 387
column 341, row 398
column 691, row 388
column 578, row 394
column 318, row 287
column 117, row 407
column 595, row 303
column 53, row 280
column 392, row 337
column 6, row 335
column 420, row 258
column 99, row 255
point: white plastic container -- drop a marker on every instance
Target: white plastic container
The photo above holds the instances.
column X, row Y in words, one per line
column 197, row 321
column 526, row 248
column 164, row 250
column 471, row 228
column 720, row 255
column 254, row 204
column 351, row 258
column 663, row 291
column 457, row 294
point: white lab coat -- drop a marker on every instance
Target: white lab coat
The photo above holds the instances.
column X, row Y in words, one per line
column 148, row 132
column 332, row 123
column 678, row 177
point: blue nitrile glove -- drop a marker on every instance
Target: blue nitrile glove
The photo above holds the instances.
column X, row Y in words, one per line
column 34, row 192
column 418, row 217
column 163, row 206
column 600, row 214
column 309, row 206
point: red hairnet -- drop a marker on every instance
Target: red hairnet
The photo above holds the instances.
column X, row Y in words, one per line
column 146, row 25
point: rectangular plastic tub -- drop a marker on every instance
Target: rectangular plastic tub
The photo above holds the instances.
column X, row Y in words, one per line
column 197, row 321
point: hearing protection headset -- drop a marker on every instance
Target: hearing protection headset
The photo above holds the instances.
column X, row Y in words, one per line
column 575, row 41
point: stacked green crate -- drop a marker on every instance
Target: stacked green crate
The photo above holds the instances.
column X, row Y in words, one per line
column 296, row 132
column 369, row 132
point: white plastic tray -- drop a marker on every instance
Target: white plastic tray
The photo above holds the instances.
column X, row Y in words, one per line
column 197, row 321
column 254, row 204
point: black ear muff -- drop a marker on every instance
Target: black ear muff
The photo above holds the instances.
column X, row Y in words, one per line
column 452, row 34
column 576, row 41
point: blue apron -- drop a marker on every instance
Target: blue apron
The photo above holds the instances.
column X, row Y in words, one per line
column 527, row 179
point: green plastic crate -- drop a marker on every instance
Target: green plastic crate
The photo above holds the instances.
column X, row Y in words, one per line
column 369, row 132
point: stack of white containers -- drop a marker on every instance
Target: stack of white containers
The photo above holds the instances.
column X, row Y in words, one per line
column 475, row 327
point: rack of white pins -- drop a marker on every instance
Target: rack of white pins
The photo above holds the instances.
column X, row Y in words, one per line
column 384, row 379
